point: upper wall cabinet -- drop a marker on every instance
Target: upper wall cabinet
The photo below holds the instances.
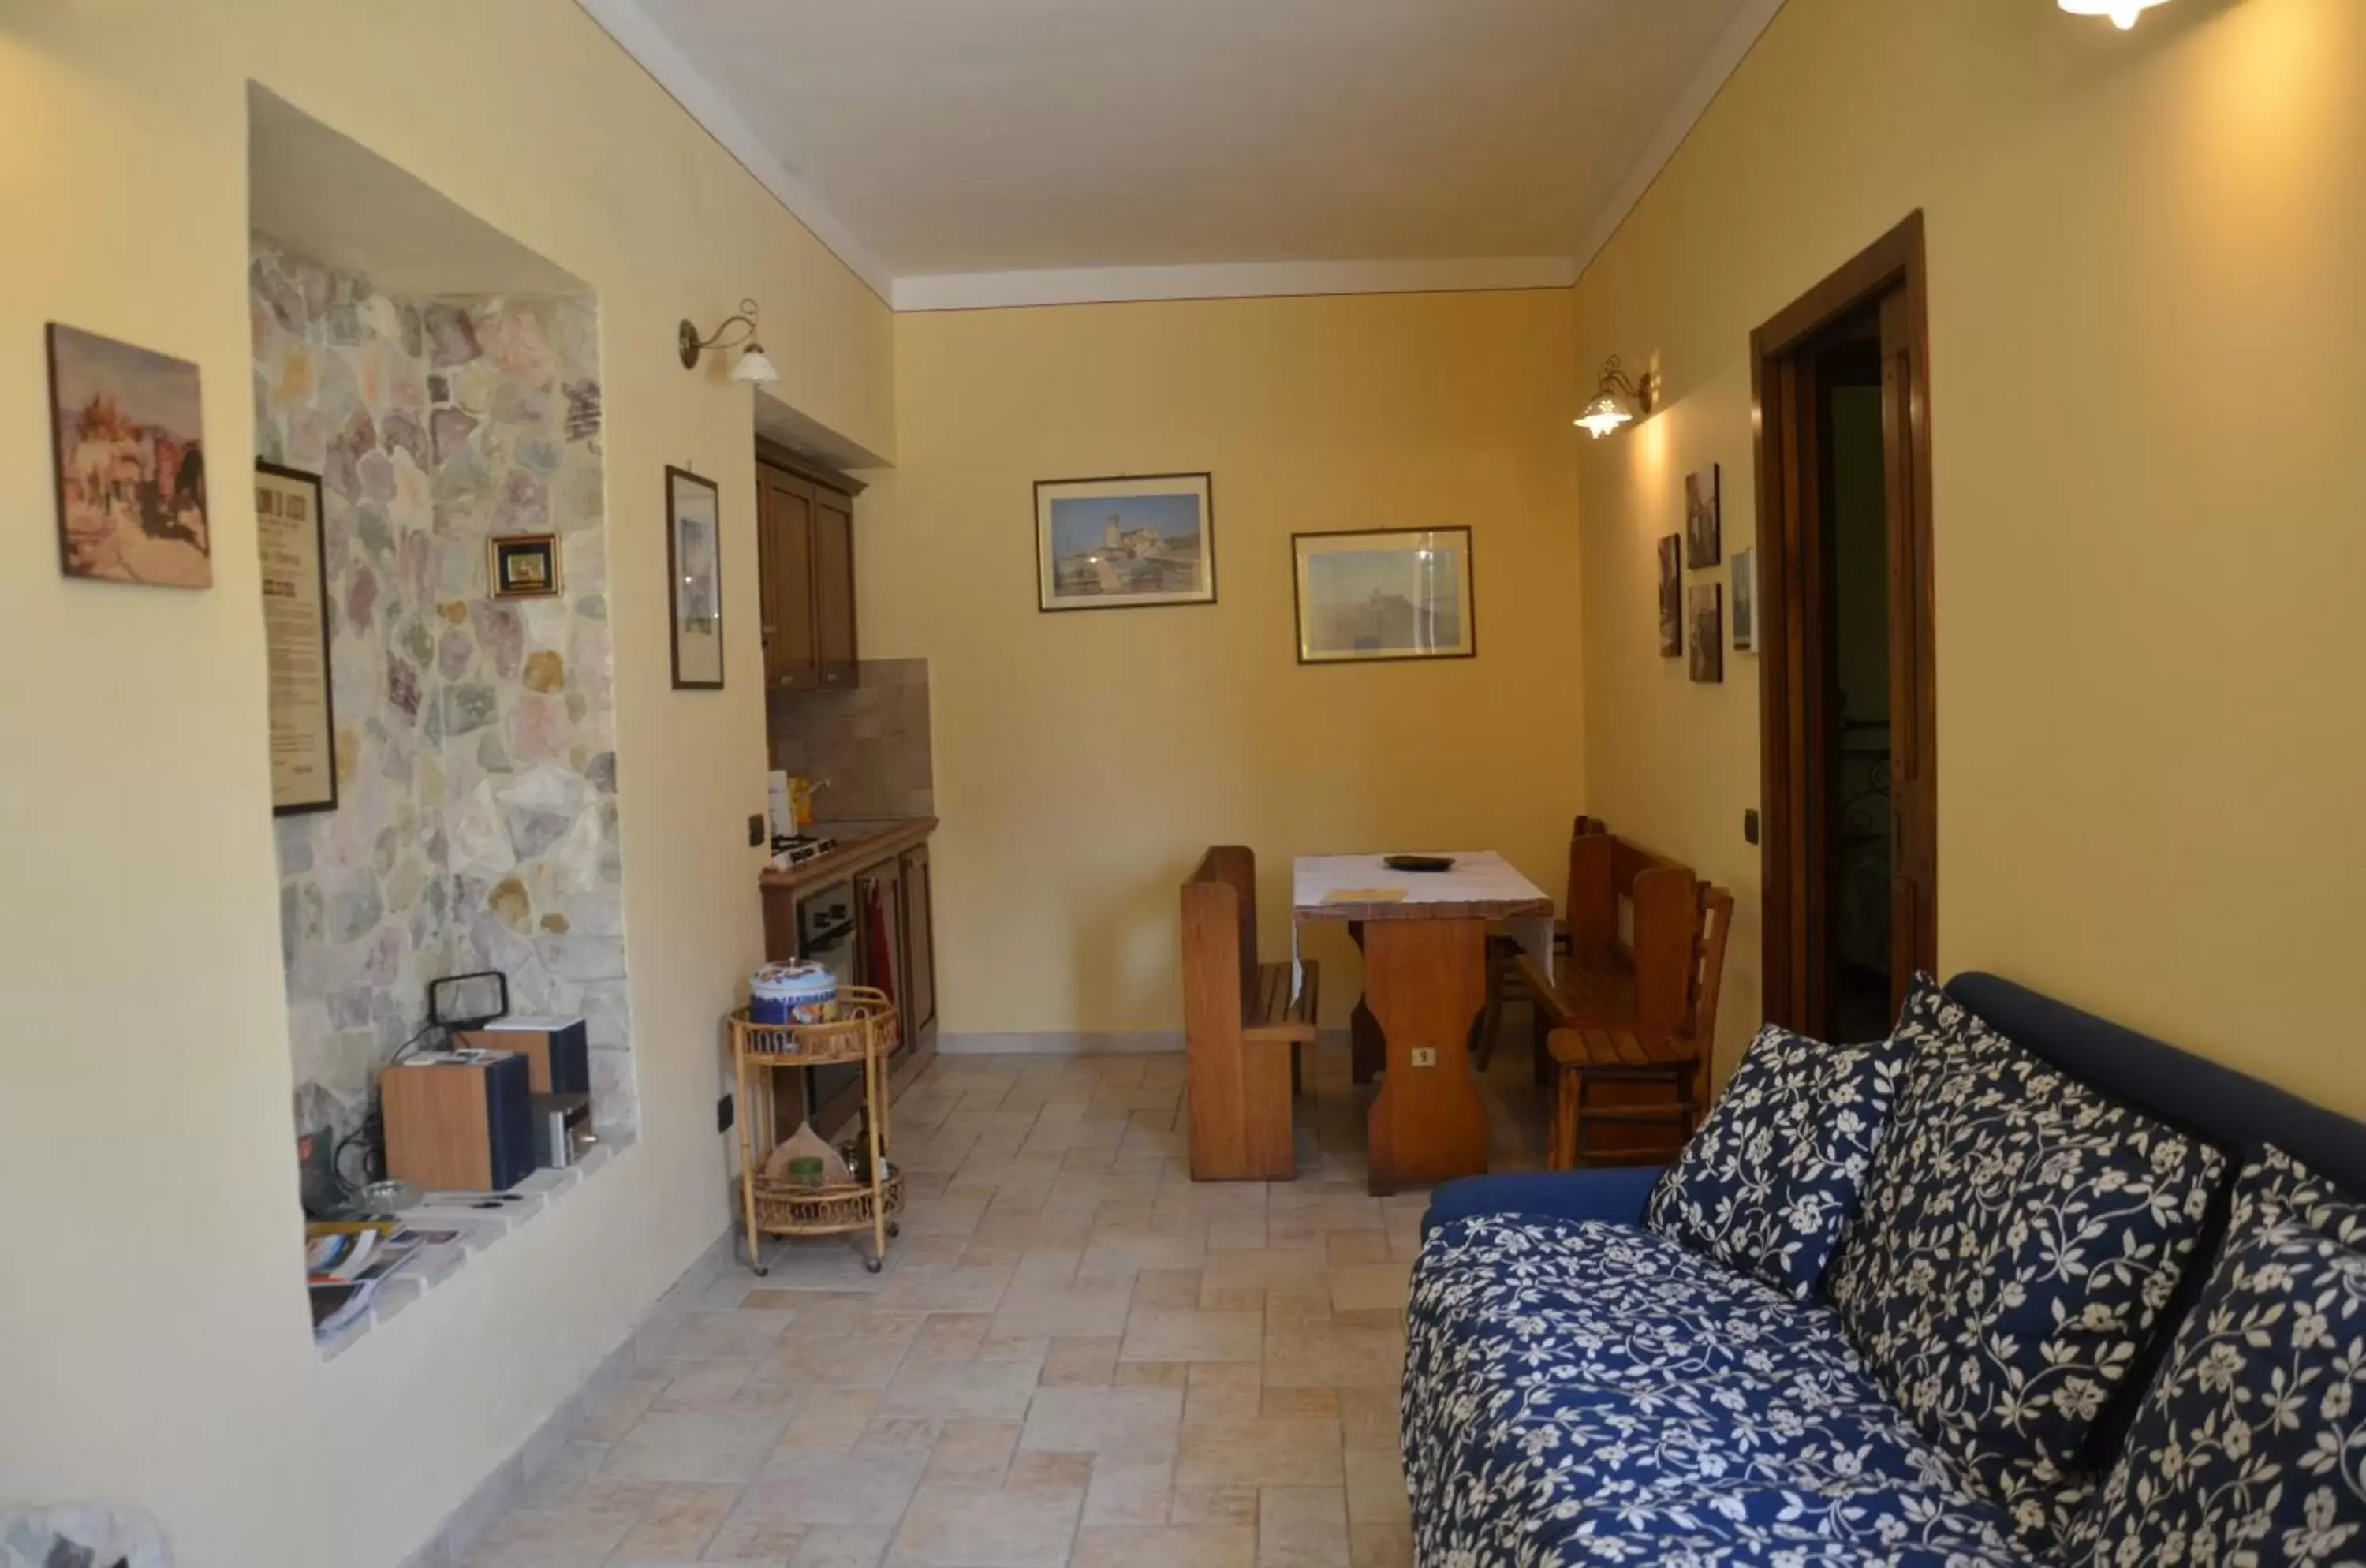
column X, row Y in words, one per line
column 804, row 535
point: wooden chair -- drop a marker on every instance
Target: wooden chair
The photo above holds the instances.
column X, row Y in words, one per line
column 1507, row 982
column 1242, row 1028
column 1633, row 1065
column 1632, row 936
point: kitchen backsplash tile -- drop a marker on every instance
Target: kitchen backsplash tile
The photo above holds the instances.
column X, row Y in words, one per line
column 870, row 743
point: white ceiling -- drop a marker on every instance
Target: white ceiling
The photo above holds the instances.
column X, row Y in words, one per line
column 987, row 151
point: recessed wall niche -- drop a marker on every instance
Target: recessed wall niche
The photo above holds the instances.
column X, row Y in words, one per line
column 443, row 381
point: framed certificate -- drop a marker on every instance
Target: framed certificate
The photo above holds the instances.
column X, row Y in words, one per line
column 296, row 638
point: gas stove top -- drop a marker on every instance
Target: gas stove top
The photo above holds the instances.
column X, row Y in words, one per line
column 788, row 852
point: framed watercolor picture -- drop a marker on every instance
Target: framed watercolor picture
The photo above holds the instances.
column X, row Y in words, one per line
column 1745, row 600
column 1123, row 543
column 1707, row 605
column 127, row 439
column 1403, row 594
column 1672, row 596
column 695, row 569
column 293, row 551
column 523, row 566
column 1704, row 517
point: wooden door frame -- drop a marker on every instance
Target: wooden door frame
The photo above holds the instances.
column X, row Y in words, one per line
column 1789, row 708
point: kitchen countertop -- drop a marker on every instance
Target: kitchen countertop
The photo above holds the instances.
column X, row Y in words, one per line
column 860, row 844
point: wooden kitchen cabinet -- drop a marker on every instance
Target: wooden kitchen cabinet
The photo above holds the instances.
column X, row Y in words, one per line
column 919, row 941
column 805, row 542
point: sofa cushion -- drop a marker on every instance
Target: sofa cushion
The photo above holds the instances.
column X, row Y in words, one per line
column 2251, row 1445
column 2277, row 1178
column 1769, row 1179
column 1585, row 1391
column 2018, row 1237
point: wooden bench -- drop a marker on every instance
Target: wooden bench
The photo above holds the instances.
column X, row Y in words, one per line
column 1242, row 1028
column 1619, row 1085
column 1632, row 935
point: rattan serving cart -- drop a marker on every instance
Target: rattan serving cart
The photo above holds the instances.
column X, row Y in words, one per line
column 864, row 1033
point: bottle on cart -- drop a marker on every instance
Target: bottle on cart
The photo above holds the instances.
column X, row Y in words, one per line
column 857, row 1147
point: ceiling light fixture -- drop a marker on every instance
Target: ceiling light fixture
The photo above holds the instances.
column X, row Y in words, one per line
column 2124, row 13
column 754, row 368
column 1620, row 401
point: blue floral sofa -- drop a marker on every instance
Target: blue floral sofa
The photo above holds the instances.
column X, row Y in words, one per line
column 2018, row 1286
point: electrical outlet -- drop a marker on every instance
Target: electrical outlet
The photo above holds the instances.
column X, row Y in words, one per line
column 1425, row 1055
column 723, row 1111
column 755, row 829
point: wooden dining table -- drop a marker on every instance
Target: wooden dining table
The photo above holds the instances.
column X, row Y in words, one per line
column 1424, row 934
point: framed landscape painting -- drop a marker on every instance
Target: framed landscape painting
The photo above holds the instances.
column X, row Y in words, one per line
column 1403, row 594
column 1124, row 543
column 127, row 439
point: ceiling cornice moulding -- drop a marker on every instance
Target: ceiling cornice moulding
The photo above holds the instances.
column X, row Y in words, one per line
column 1227, row 280
column 1724, row 57
column 624, row 21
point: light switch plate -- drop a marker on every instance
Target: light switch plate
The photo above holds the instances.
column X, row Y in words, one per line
column 1425, row 1055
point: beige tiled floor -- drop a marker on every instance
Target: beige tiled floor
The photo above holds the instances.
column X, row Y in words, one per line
column 1076, row 1356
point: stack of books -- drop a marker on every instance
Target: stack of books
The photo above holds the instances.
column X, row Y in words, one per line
column 345, row 1260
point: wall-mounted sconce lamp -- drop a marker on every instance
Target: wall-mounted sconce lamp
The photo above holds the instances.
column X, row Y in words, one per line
column 2124, row 13
column 755, row 367
column 1621, row 400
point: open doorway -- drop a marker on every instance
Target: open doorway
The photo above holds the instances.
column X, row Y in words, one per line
column 1840, row 385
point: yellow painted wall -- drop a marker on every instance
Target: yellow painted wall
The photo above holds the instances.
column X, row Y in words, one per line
column 155, row 1348
column 2146, row 335
column 1085, row 759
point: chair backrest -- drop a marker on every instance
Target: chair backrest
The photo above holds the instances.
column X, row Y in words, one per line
column 1662, row 936
column 1220, row 937
column 1716, row 924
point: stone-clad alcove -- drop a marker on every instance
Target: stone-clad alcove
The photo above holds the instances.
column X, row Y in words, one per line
column 476, row 827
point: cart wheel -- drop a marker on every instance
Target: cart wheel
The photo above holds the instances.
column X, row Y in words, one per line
column 895, row 1229
column 760, row 1269
column 873, row 1264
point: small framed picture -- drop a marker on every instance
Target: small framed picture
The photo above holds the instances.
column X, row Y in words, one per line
column 694, row 568
column 127, row 440
column 1672, row 596
column 1707, row 605
column 1403, row 594
column 1124, row 543
column 523, row 566
column 1704, row 517
column 1745, row 600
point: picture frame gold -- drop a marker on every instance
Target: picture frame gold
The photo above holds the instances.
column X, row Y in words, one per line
column 523, row 566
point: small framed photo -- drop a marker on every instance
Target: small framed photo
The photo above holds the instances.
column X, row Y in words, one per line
column 127, row 439
column 1745, row 600
column 1706, row 606
column 1672, row 596
column 1124, row 543
column 523, row 566
column 1704, row 517
column 1403, row 594
column 694, row 568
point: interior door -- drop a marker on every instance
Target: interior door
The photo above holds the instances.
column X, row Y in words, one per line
column 833, row 587
column 1913, row 767
column 786, row 542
